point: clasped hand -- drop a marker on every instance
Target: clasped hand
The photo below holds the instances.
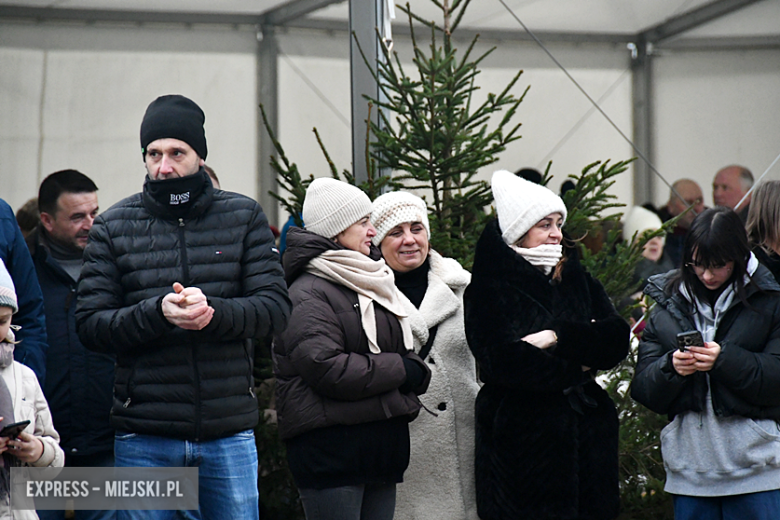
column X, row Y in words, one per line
column 696, row 359
column 542, row 339
column 187, row 308
column 545, row 339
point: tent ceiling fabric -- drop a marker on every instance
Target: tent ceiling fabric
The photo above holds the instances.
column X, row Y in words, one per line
column 617, row 17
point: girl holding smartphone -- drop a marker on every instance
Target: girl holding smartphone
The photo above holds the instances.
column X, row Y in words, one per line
column 722, row 449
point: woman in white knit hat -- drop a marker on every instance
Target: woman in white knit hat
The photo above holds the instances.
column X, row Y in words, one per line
column 440, row 480
column 347, row 377
column 540, row 327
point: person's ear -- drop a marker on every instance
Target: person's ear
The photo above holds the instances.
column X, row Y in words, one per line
column 47, row 221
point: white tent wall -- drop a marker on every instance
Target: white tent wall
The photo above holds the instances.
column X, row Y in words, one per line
column 73, row 97
column 313, row 69
column 713, row 109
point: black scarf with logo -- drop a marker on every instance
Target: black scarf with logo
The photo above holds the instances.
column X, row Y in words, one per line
column 182, row 197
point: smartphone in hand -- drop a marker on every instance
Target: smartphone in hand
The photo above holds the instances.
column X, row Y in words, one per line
column 691, row 338
column 13, row 430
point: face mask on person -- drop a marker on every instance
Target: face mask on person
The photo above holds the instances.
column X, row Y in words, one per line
column 6, row 353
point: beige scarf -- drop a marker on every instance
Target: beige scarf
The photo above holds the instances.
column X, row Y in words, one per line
column 545, row 256
column 372, row 280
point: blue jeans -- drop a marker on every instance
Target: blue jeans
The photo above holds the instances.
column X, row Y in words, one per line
column 750, row 506
column 227, row 472
column 362, row 502
column 98, row 460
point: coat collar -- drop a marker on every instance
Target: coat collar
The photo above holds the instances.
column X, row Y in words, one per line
column 446, row 282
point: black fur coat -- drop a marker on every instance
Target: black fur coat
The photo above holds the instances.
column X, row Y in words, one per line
column 547, row 434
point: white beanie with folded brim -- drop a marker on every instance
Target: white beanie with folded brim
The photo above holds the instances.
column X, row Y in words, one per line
column 7, row 289
column 396, row 208
column 639, row 220
column 521, row 204
column 331, row 206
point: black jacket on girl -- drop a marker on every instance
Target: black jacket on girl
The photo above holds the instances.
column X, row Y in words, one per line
column 547, row 433
column 747, row 366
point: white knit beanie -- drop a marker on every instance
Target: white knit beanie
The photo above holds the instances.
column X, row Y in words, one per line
column 521, row 204
column 331, row 206
column 7, row 289
column 396, row 208
column 639, row 220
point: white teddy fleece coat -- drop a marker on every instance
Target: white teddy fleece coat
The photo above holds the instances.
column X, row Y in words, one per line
column 30, row 404
column 439, row 482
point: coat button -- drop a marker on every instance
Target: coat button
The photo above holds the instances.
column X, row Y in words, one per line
column 442, row 407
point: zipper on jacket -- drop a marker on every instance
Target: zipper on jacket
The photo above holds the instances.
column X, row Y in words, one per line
column 194, row 352
column 127, row 403
column 250, row 363
column 185, row 269
column 356, row 306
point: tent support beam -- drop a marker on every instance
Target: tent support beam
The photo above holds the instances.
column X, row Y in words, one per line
column 692, row 19
column 268, row 96
column 642, row 83
column 365, row 16
column 278, row 16
column 642, row 116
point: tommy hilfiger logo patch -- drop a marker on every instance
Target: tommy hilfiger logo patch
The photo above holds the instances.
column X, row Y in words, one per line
column 180, row 198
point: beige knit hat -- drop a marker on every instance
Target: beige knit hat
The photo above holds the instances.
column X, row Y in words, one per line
column 639, row 220
column 396, row 208
column 521, row 204
column 331, row 206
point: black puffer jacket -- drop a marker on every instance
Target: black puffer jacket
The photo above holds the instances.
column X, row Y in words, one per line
column 173, row 382
column 745, row 379
column 325, row 375
column 547, row 433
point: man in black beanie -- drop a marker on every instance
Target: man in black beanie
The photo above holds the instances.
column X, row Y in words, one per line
column 178, row 282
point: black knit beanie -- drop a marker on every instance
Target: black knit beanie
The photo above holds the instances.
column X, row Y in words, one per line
column 174, row 117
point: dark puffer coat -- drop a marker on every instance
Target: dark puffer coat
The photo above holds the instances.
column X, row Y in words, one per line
column 171, row 382
column 329, row 385
column 745, row 379
column 547, row 433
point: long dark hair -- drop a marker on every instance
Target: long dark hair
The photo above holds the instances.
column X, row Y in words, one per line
column 717, row 236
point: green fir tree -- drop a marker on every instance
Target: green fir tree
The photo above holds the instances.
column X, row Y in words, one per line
column 435, row 138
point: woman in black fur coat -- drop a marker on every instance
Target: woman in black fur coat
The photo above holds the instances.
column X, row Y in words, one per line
column 540, row 327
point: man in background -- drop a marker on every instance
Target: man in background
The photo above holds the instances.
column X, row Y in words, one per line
column 684, row 193
column 729, row 187
column 79, row 383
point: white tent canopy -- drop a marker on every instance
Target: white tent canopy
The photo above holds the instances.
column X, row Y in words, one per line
column 700, row 91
